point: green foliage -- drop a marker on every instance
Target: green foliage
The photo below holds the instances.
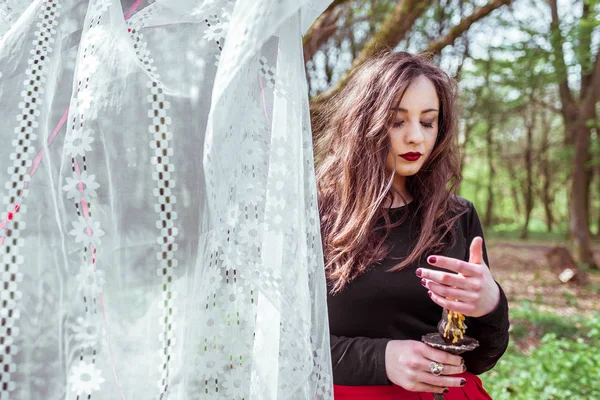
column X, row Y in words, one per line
column 509, row 66
column 529, row 315
column 558, row 369
column 565, row 364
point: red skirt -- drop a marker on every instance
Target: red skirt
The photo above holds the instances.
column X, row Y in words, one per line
column 473, row 390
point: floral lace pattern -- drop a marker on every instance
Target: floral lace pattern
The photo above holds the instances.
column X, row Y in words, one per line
column 160, row 190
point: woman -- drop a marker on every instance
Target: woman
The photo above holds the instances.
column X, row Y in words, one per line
column 399, row 245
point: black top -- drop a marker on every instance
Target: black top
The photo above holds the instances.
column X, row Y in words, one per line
column 380, row 306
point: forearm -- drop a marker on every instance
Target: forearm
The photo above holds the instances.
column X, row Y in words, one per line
column 358, row 361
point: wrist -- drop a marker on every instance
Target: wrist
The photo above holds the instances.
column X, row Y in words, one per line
column 386, row 366
column 495, row 302
column 388, row 356
column 498, row 309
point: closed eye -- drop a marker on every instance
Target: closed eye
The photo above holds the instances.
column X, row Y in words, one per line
column 398, row 124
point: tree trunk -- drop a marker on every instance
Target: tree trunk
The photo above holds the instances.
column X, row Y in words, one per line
column 565, row 268
column 329, row 65
column 575, row 116
column 478, row 188
column 598, row 176
column 463, row 151
column 529, row 186
column 353, row 44
column 589, row 172
column 568, row 107
column 579, row 218
column 489, row 211
column 545, row 194
column 514, row 183
column 548, row 210
column 579, row 223
column 489, row 139
column 598, row 191
column 589, row 197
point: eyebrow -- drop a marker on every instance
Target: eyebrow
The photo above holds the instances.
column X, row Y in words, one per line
column 422, row 112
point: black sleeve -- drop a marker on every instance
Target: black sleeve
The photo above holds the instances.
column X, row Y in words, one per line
column 358, row 361
column 490, row 330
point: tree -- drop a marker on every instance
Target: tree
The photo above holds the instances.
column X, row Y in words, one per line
column 396, row 27
column 490, row 117
column 576, row 112
column 546, row 176
column 528, row 189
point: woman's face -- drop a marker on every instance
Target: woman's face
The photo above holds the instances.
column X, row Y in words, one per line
column 414, row 129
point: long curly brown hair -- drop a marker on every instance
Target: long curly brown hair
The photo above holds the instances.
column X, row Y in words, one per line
column 354, row 186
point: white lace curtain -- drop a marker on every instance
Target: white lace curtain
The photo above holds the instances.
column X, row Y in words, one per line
column 159, row 230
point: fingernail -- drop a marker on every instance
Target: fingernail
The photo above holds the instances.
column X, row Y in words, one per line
column 429, row 293
column 446, row 390
column 419, row 272
column 464, row 368
column 424, row 282
column 462, row 361
column 432, row 260
column 463, row 382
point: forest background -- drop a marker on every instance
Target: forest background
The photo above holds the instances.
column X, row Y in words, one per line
column 529, row 73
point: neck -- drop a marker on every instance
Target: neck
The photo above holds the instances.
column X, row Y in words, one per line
column 403, row 197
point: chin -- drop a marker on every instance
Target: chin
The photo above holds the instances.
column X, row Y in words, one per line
column 408, row 171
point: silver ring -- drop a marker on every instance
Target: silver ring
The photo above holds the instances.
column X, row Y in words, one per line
column 436, row 368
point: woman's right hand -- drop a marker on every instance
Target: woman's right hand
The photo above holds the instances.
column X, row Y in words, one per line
column 407, row 365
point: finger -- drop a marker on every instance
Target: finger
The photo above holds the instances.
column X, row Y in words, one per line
column 465, row 296
column 445, row 381
column 467, row 309
column 426, row 388
column 454, row 264
column 441, row 357
column 444, row 278
column 476, row 251
column 453, row 370
column 448, row 368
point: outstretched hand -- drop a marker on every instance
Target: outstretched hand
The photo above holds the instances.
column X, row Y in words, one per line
column 471, row 290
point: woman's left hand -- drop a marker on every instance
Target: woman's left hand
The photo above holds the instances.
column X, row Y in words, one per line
column 471, row 291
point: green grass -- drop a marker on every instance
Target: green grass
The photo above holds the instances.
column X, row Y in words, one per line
column 527, row 316
column 564, row 365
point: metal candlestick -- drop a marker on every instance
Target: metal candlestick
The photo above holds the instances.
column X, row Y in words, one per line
column 436, row 341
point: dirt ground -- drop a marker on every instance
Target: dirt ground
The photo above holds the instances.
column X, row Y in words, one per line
column 524, row 274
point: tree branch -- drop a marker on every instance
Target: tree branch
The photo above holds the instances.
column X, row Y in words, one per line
column 393, row 29
column 399, row 22
column 464, row 25
column 322, row 29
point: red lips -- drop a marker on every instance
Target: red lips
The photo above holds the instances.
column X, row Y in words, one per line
column 414, row 156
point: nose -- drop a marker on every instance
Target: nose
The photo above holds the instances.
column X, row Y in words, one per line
column 414, row 133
